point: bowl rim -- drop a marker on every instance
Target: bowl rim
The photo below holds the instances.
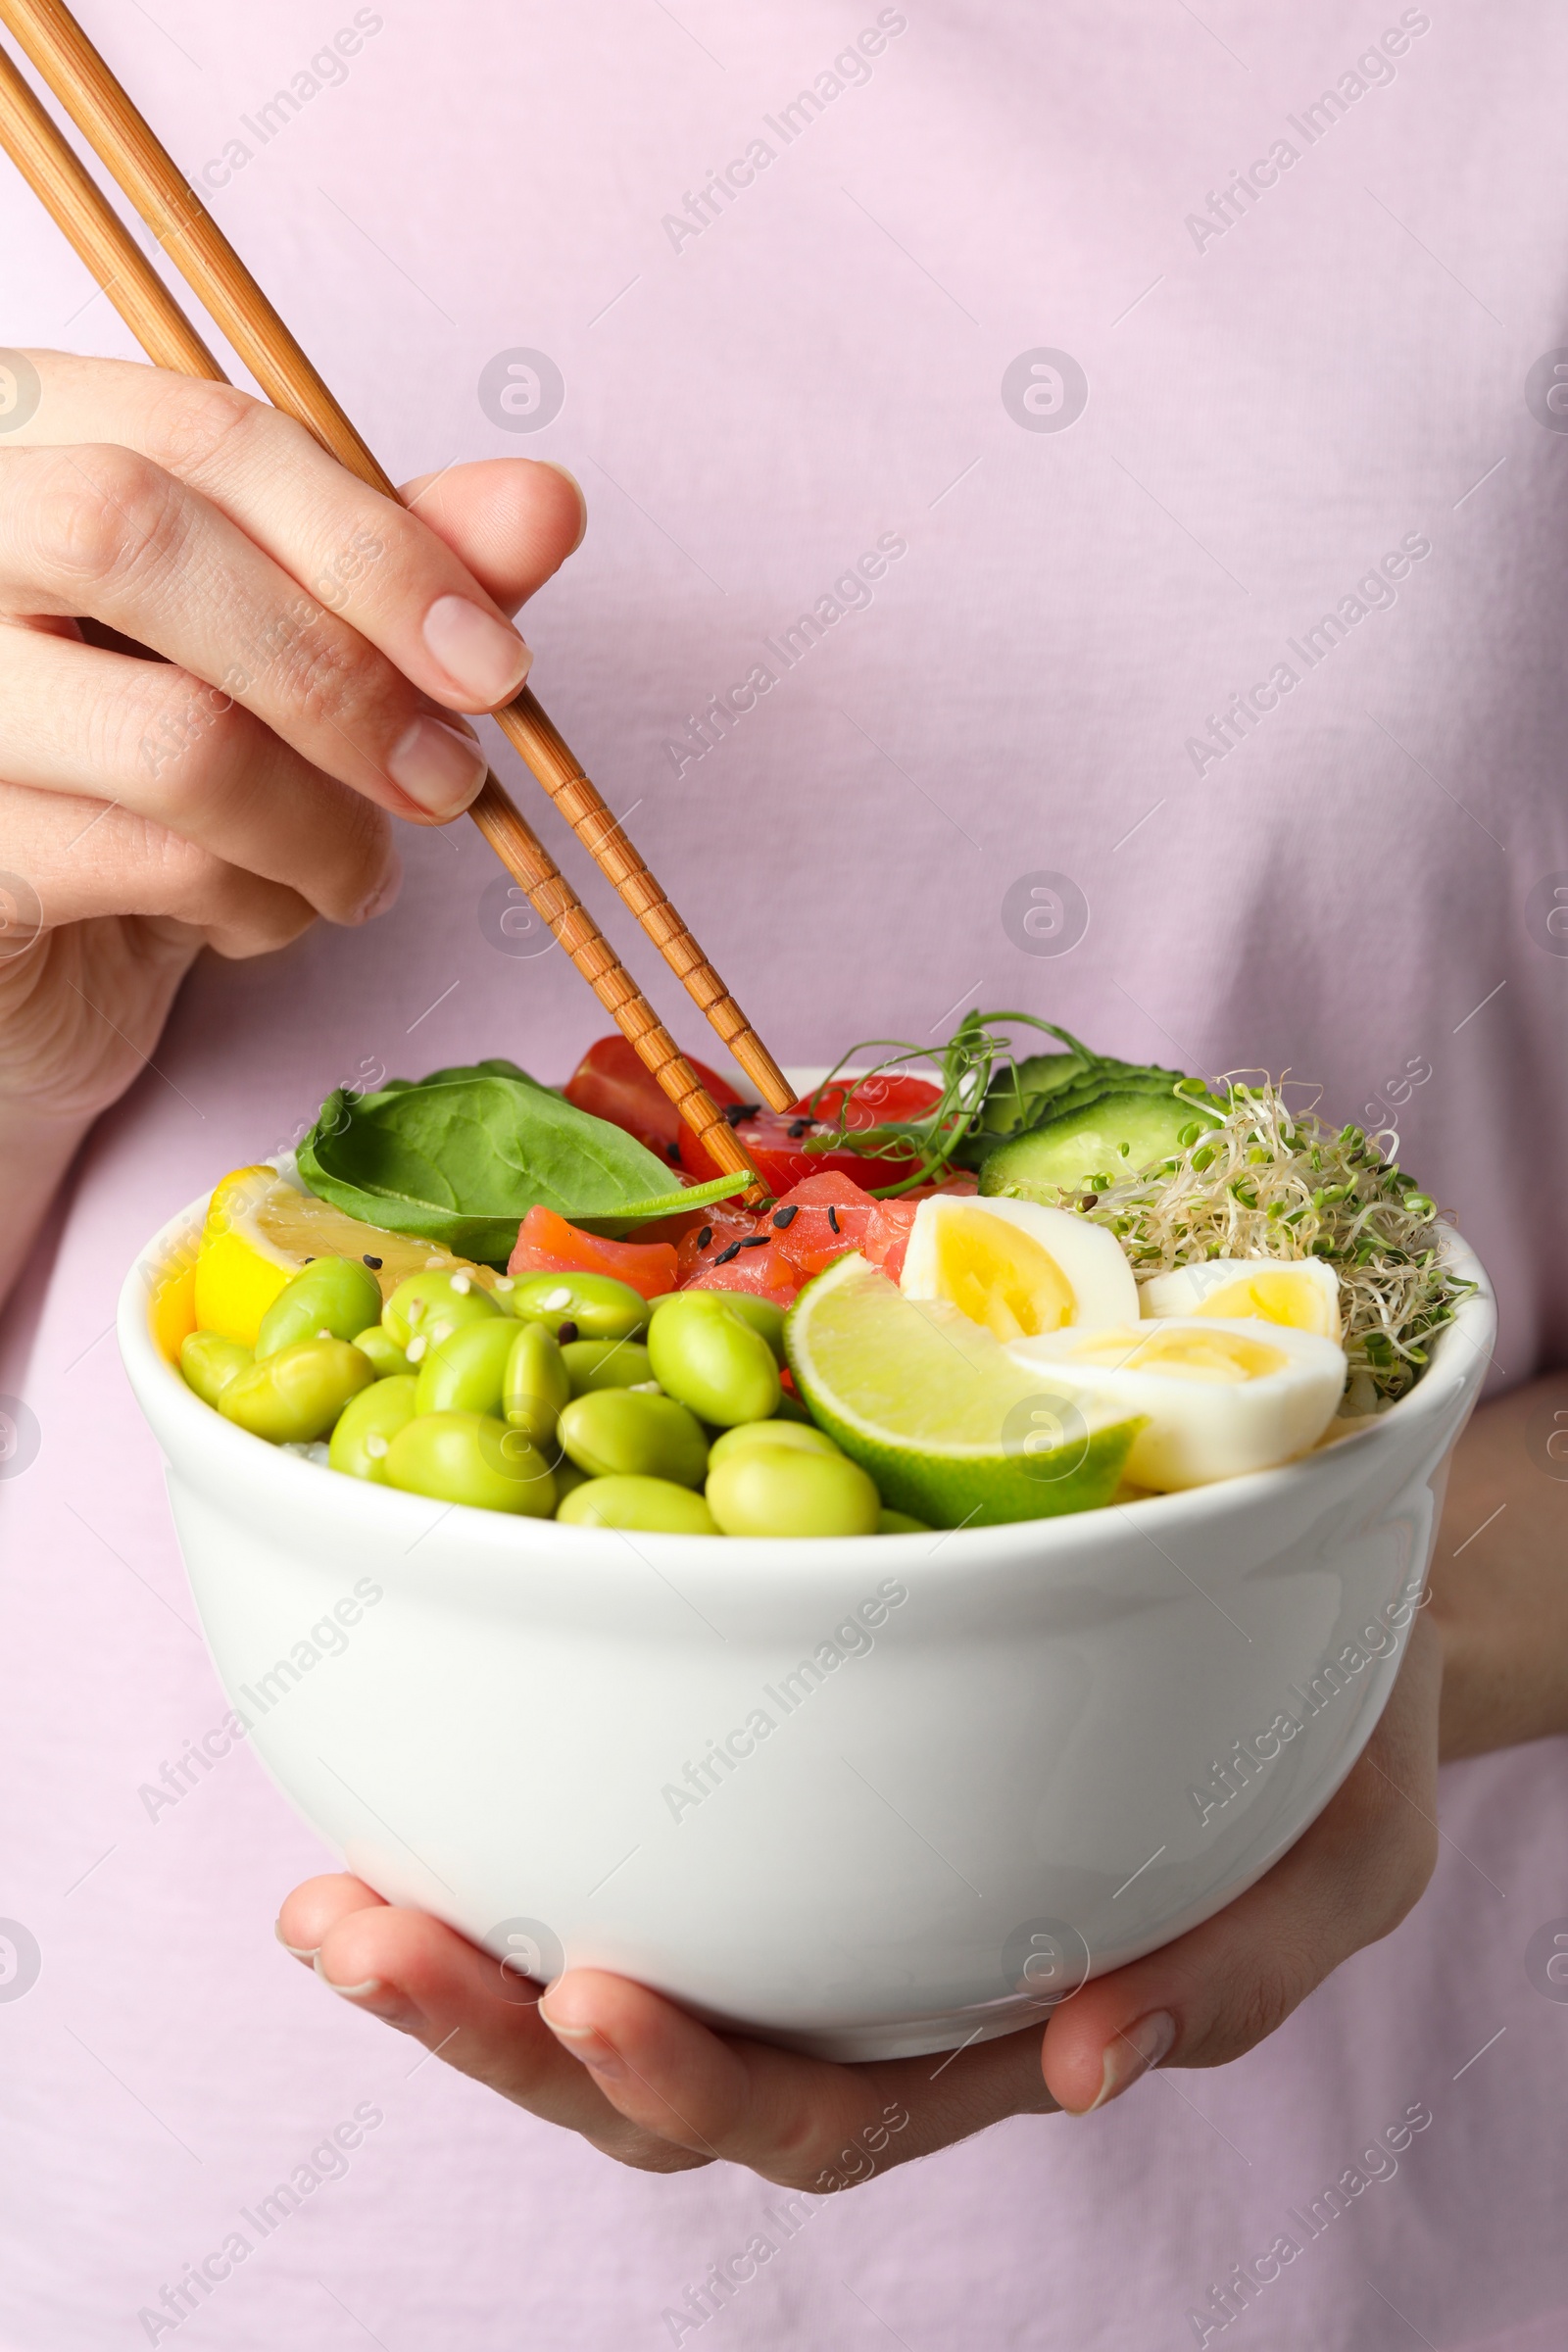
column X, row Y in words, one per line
column 1460, row 1355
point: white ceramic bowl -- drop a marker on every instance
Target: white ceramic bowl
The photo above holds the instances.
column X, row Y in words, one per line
column 866, row 1797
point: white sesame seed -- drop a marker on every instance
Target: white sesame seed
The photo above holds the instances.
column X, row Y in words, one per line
column 556, row 1297
column 376, row 1445
column 463, row 1284
column 416, row 1347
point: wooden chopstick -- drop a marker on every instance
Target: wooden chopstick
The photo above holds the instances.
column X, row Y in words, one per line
column 102, row 109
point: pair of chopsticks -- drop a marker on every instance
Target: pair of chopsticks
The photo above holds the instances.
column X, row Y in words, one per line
column 148, row 177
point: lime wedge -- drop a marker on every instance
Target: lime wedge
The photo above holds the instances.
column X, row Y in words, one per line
column 952, row 1430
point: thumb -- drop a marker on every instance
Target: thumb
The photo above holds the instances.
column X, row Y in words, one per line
column 513, row 521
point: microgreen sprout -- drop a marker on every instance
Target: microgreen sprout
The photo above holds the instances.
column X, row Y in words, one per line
column 1270, row 1181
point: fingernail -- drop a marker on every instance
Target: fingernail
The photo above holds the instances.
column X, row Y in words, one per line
column 295, row 1951
column 437, row 767
column 484, row 658
column 1132, row 2053
column 583, row 498
column 384, row 896
column 383, row 2000
column 587, row 2043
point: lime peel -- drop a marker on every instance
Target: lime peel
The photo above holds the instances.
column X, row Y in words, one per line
column 933, row 1408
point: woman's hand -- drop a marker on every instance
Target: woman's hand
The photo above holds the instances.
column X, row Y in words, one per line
column 224, row 663
column 646, row 2084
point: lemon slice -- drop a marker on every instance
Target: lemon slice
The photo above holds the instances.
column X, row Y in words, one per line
column 260, row 1230
column 930, row 1403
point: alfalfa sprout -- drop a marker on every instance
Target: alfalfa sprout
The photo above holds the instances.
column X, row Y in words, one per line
column 1270, row 1182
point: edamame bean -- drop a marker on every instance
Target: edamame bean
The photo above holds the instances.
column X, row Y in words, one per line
column 208, row 1362
column 621, row 1433
column 298, row 1393
column 471, row 1458
column 332, row 1298
column 713, row 1360
column 597, row 1306
column 899, row 1523
column 764, row 1318
column 387, row 1358
column 464, row 1372
column 804, row 1434
column 653, row 1504
column 790, row 1490
column 536, row 1387
column 426, row 1306
column 607, row 1364
column 368, row 1423
column 569, row 1477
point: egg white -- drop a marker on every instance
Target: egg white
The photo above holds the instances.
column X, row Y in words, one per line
column 1199, row 1428
column 1092, row 1262
column 1219, row 1285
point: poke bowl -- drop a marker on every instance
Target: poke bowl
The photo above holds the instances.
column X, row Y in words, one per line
column 864, row 1795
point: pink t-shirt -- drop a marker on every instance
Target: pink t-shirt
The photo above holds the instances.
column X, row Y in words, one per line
column 1085, row 463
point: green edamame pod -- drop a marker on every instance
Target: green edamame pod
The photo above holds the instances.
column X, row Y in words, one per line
column 596, row 1306
column 713, row 1360
column 536, row 1387
column 621, row 1433
column 368, row 1423
column 387, row 1358
column 296, row 1396
column 463, row 1372
column 607, row 1364
column 332, row 1298
column 208, row 1362
column 430, row 1304
column 804, row 1434
column 655, row 1505
column 789, row 1491
column 471, row 1458
column 764, row 1318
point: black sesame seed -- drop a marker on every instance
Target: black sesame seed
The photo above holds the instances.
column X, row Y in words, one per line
column 705, row 1237
column 724, row 1255
column 799, row 1126
column 374, row 1263
column 673, row 1151
column 833, row 1220
column 736, row 1111
column 783, row 1217
column 565, row 1333
column 309, row 1261
column 758, row 1241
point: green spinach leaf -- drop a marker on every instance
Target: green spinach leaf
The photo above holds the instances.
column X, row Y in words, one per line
column 462, row 1155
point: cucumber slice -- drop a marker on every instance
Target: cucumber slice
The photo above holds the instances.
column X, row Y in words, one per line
column 1118, row 1131
column 1020, row 1097
column 1096, row 1084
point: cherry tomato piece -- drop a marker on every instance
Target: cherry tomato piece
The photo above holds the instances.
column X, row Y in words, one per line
column 611, row 1082
column 870, row 1102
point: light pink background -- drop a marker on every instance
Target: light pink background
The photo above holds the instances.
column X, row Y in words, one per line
column 1267, row 417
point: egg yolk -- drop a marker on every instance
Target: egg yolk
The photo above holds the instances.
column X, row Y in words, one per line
column 1274, row 1297
column 999, row 1276
column 1209, row 1355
